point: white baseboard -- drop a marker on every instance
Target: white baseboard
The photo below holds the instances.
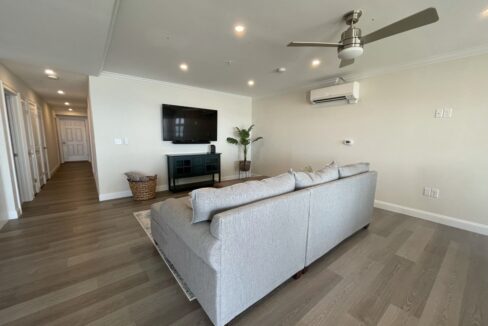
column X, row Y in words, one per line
column 434, row 217
column 13, row 215
column 128, row 193
column 54, row 170
column 114, row 195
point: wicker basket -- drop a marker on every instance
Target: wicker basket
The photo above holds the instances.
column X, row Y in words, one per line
column 144, row 190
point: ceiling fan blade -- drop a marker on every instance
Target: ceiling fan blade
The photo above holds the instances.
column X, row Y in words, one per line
column 422, row 18
column 346, row 63
column 319, row 44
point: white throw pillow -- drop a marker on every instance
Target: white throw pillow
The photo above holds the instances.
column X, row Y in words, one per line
column 353, row 169
column 307, row 179
column 206, row 202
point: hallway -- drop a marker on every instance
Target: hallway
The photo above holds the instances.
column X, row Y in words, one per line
column 71, row 260
column 71, row 187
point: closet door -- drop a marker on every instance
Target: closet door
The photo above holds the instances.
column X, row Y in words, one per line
column 39, row 153
column 31, row 148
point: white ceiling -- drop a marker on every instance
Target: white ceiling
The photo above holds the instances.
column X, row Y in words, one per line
column 150, row 38
column 66, row 34
column 70, row 37
column 74, row 85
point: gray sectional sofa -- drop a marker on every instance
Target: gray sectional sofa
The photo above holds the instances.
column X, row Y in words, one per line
column 256, row 235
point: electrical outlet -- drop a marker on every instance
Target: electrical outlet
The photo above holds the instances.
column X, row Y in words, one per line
column 435, row 193
column 427, row 191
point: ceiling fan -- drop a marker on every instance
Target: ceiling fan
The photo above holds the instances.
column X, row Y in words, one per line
column 351, row 44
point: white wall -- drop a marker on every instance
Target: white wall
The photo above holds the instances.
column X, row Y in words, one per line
column 3, row 204
column 93, row 153
column 394, row 129
column 13, row 82
column 130, row 107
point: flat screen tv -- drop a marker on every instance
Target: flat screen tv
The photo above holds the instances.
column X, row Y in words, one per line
column 187, row 125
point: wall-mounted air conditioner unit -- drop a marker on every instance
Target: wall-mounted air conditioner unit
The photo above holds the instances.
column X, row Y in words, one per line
column 348, row 92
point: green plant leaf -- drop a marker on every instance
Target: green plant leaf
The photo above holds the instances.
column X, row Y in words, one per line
column 231, row 140
column 250, row 128
column 244, row 134
column 256, row 139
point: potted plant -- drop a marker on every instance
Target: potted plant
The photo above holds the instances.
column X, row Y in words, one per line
column 245, row 140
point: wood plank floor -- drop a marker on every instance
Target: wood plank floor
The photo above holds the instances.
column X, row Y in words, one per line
column 74, row 261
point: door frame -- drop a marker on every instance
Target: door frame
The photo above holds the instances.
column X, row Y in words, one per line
column 7, row 168
column 29, row 132
column 36, row 114
column 17, row 133
column 44, row 144
column 60, row 138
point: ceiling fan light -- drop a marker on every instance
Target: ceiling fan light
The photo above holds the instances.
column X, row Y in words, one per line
column 350, row 53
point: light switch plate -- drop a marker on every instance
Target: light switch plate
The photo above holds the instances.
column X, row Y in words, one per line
column 438, row 113
column 447, row 113
column 118, row 141
column 427, row 191
column 126, row 141
column 435, row 193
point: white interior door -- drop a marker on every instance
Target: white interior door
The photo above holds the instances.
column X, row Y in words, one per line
column 31, row 147
column 15, row 140
column 36, row 131
column 74, row 141
column 47, row 172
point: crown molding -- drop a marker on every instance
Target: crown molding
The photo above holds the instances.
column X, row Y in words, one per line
column 115, row 75
column 452, row 56
column 108, row 39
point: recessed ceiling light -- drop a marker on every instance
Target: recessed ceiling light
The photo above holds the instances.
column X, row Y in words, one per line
column 240, row 28
column 281, row 69
column 49, row 72
column 484, row 13
column 66, row 103
column 61, row 92
column 315, row 62
column 70, row 109
column 55, row 77
column 184, row 67
column 251, row 83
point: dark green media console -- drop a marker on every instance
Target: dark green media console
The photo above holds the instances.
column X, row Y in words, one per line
column 182, row 166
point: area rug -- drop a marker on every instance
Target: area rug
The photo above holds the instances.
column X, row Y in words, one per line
column 144, row 219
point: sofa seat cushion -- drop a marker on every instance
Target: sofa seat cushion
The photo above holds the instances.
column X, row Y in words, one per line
column 353, row 169
column 206, row 202
column 308, row 179
column 176, row 215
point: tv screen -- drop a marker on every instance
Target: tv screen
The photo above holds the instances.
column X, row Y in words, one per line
column 187, row 125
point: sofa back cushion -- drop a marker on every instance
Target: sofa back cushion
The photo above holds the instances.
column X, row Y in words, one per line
column 308, row 179
column 353, row 169
column 206, row 202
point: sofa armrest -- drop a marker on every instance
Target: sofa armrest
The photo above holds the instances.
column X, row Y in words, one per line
column 263, row 244
column 176, row 215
